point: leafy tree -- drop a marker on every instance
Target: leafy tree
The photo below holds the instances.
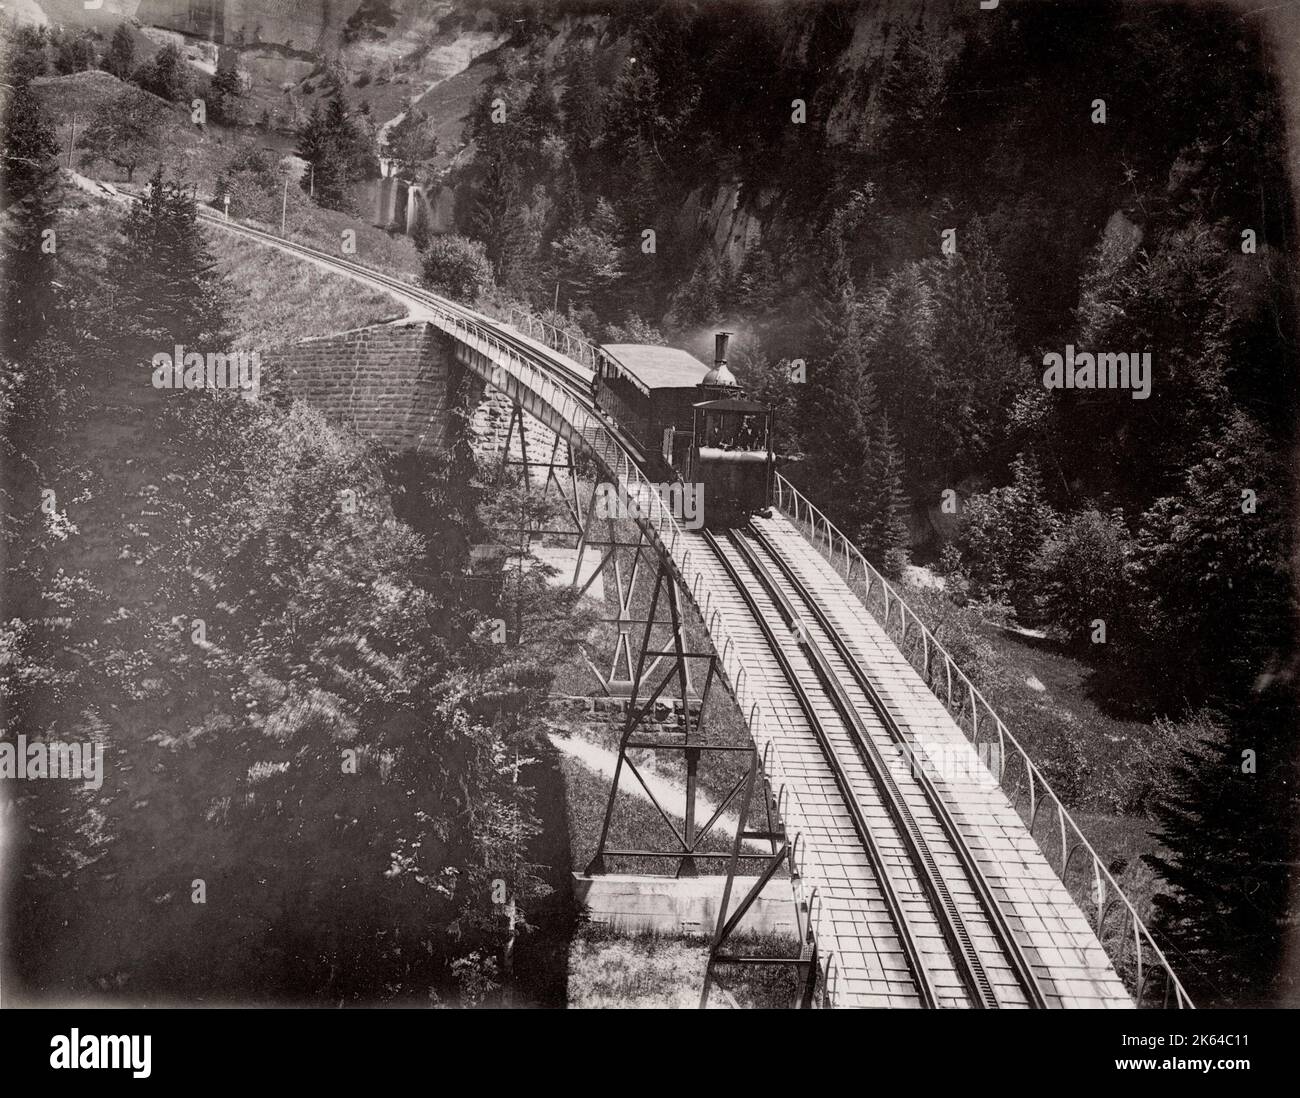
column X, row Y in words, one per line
column 1002, row 532
column 119, row 59
column 124, row 131
column 457, row 267
column 1173, row 303
column 588, row 260
column 1082, row 574
column 368, row 21
column 411, row 144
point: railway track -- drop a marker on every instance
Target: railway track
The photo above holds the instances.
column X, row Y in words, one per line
column 932, row 883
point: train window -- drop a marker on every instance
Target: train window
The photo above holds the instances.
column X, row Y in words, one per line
column 735, row 431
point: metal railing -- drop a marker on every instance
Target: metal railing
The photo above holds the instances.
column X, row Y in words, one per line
column 552, row 335
column 1127, row 941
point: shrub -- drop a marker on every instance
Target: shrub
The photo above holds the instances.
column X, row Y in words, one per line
column 1002, row 532
column 457, row 266
column 1081, row 574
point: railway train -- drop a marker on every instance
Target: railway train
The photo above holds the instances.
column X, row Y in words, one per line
column 691, row 423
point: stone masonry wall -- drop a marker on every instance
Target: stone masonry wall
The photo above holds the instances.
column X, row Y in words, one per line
column 397, row 384
column 389, row 382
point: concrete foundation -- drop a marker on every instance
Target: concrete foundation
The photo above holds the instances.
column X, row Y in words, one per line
column 681, row 905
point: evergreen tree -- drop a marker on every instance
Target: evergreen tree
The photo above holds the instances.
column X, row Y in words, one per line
column 976, row 368
column 588, row 260
column 119, row 60
column 28, row 191
column 1215, row 565
column 420, row 225
column 340, row 152
column 880, row 519
column 499, row 221
column 171, row 291
column 224, row 94
column 581, row 104
column 541, row 110
column 166, row 75
column 699, row 301
column 902, row 356
column 1225, row 830
column 758, row 282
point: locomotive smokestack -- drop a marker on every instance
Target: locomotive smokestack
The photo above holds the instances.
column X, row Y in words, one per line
column 720, row 348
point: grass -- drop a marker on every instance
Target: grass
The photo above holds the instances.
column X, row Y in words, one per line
column 636, row 825
column 668, row 972
column 280, row 299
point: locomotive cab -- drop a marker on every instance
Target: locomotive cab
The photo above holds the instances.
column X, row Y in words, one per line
column 731, row 451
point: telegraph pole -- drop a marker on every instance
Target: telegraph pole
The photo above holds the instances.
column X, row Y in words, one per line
column 284, row 204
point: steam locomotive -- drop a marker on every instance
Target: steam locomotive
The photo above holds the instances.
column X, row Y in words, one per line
column 691, row 423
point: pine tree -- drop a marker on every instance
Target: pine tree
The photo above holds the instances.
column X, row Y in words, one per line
column 541, row 111
column 699, row 301
column 120, row 58
column 166, row 75
column 975, row 361
column 499, row 221
column 28, row 184
column 902, row 355
column 171, row 291
column 1225, row 830
column 224, row 94
column 581, row 105
column 879, row 519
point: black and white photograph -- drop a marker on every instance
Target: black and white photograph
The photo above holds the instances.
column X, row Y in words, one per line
column 514, row 507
